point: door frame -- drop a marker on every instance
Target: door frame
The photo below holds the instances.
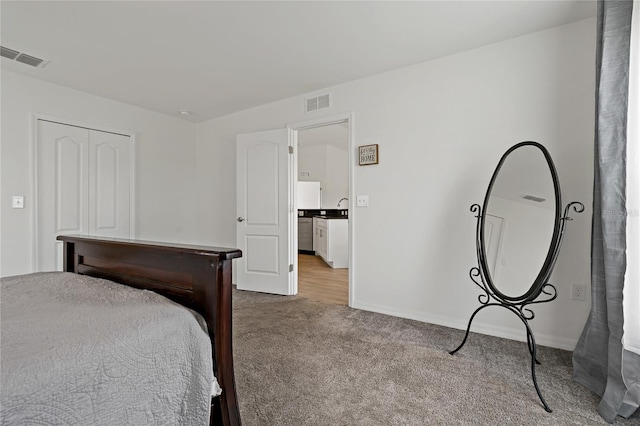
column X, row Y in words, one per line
column 321, row 122
column 33, row 166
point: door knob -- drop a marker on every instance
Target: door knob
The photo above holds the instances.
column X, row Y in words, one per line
column 240, row 219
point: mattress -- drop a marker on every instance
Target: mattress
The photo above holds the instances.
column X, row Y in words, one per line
column 78, row 350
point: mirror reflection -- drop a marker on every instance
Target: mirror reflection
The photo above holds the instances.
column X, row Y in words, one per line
column 519, row 221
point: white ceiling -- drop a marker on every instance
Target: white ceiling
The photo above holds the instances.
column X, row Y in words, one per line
column 214, row 58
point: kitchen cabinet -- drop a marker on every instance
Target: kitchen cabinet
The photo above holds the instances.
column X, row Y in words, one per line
column 320, row 237
column 331, row 241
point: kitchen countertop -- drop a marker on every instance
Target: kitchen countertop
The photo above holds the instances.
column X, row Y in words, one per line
column 330, row 217
column 325, row 213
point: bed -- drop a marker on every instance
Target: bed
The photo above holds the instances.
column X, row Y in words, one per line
column 171, row 345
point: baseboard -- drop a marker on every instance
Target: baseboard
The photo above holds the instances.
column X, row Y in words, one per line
column 478, row 326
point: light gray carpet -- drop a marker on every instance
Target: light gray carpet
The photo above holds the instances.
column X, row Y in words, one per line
column 301, row 362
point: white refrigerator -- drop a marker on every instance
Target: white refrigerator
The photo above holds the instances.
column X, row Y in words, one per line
column 309, row 195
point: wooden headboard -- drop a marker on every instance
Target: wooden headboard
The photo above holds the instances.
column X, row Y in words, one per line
column 195, row 276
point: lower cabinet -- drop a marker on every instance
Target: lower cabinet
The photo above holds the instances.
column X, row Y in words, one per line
column 331, row 241
column 320, row 237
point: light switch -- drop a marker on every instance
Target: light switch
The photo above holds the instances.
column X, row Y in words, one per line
column 362, row 201
column 17, row 202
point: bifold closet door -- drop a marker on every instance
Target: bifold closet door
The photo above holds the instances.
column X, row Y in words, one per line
column 109, row 185
column 83, row 187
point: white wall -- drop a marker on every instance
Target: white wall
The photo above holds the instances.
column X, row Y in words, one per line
column 442, row 127
column 165, row 163
column 329, row 166
column 312, row 160
column 337, row 180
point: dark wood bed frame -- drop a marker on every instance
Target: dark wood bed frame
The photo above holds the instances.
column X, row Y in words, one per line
column 197, row 277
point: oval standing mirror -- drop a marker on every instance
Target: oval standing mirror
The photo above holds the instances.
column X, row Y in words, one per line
column 518, row 235
column 520, row 223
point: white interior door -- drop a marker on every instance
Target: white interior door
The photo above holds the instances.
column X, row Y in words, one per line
column 264, row 212
column 83, row 187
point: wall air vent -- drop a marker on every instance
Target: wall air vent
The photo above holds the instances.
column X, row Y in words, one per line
column 316, row 103
column 22, row 57
column 533, row 198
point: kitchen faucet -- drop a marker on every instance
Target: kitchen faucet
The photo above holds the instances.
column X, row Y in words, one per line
column 341, row 200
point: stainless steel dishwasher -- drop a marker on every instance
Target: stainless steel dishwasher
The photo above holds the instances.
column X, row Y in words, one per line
column 305, row 234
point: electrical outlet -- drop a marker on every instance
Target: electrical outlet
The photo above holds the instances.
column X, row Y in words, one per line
column 362, row 201
column 578, row 292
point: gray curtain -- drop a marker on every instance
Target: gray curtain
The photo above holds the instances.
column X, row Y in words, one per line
column 600, row 362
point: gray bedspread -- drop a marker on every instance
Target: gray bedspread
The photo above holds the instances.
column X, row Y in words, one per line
column 77, row 350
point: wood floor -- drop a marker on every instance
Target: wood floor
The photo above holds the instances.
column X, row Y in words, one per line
column 318, row 281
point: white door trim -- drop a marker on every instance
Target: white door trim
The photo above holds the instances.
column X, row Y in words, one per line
column 33, row 135
column 325, row 121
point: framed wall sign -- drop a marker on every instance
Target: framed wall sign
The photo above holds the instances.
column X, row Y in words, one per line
column 368, row 154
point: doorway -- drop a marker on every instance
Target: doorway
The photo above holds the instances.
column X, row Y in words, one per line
column 267, row 209
column 323, row 212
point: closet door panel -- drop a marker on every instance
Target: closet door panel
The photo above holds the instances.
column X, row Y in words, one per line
column 62, row 188
column 110, row 177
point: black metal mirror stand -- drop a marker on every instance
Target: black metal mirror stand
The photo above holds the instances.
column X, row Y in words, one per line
column 519, row 308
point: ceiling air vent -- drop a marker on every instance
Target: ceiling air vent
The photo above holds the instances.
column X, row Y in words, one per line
column 533, row 198
column 316, row 103
column 22, row 57
column 29, row 60
column 8, row 53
